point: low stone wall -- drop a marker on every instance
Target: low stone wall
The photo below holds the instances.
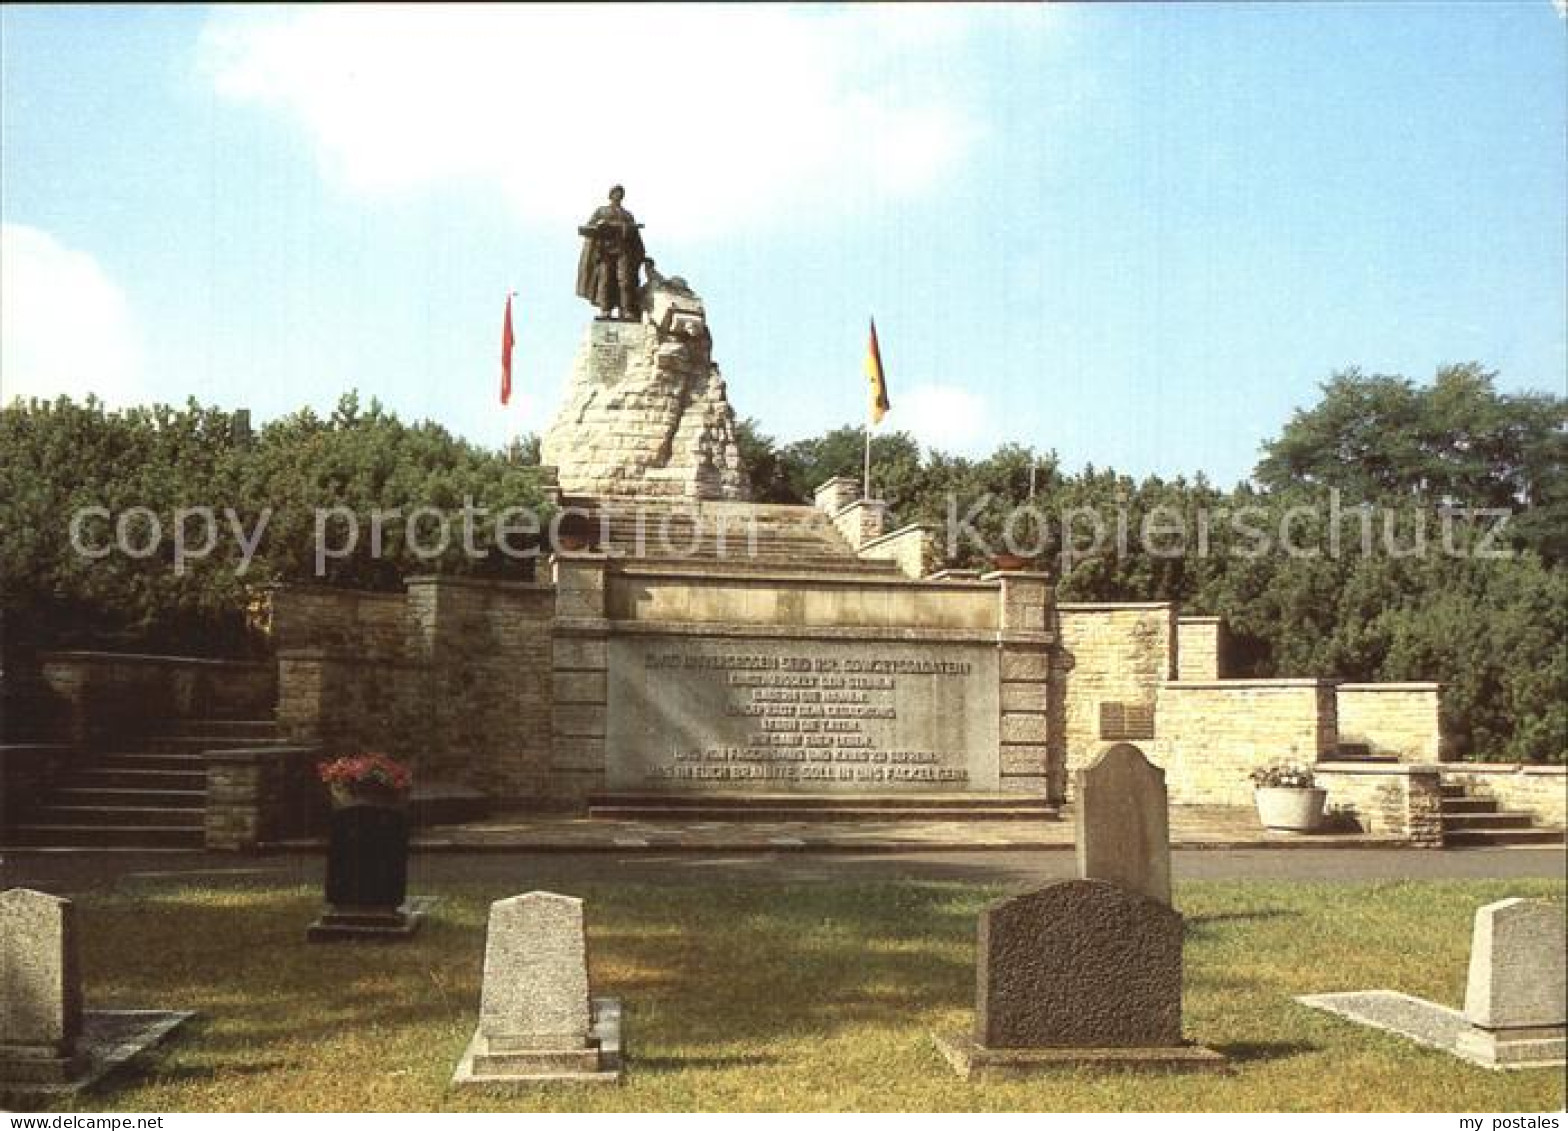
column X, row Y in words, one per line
column 261, row 795
column 101, row 696
column 912, row 548
column 1399, row 719
column 1540, row 790
column 1385, row 799
column 647, row 594
column 1110, row 653
column 1210, row 736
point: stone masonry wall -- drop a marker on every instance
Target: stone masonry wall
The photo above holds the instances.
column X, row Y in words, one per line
column 1200, row 648
column 1402, row 719
column 862, row 521
column 1118, row 653
column 1210, row 736
column 453, row 676
column 1386, row 800
column 1027, row 765
column 1541, row 790
column 913, row 548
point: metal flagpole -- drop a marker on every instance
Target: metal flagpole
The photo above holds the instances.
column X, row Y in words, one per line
column 865, row 484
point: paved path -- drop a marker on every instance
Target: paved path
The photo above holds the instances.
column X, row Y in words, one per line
column 68, row 872
column 1192, row 825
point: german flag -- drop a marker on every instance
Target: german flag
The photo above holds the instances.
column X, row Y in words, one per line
column 874, row 374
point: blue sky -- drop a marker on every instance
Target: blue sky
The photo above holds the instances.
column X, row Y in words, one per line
column 1139, row 235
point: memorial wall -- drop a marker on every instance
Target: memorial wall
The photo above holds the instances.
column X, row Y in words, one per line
column 773, row 714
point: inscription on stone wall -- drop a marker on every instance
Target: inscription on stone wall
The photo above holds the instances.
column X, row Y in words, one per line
column 798, row 715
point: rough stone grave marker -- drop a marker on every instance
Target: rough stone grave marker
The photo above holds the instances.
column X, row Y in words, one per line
column 1082, row 973
column 48, row 1042
column 40, row 986
column 1123, row 825
column 537, row 1021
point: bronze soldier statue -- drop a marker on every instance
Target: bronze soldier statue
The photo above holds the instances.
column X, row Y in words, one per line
column 611, row 259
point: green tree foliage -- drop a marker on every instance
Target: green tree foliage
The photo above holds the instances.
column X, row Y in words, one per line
column 1456, row 441
column 146, row 464
column 1308, row 584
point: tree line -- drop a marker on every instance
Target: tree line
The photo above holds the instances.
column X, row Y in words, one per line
column 1441, row 591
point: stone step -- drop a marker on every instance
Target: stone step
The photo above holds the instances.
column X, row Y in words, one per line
column 1458, row 805
column 826, row 807
column 1486, row 822
column 1450, row 790
column 73, row 795
column 114, row 778
column 158, row 760
column 195, row 744
column 791, row 813
column 104, row 836
column 1478, row 839
column 845, row 567
column 118, row 816
column 249, row 729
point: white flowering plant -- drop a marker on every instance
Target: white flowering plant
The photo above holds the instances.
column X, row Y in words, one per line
column 1283, row 775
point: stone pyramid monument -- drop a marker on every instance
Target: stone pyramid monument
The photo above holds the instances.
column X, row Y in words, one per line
column 646, row 412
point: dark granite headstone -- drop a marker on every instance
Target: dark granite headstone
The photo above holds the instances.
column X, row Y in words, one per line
column 367, row 866
column 1081, row 964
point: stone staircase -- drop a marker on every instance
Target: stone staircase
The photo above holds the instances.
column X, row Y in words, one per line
column 1473, row 822
column 807, row 807
column 149, row 795
column 709, row 536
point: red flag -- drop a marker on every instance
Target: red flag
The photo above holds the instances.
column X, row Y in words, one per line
column 506, row 354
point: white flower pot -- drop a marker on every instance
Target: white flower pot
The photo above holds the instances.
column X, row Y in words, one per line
column 1291, row 810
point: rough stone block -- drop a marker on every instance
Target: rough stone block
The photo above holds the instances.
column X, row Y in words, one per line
column 1079, row 964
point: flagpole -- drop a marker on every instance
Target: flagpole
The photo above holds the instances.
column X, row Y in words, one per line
column 865, row 484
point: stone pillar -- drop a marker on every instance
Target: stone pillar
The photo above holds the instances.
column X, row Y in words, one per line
column 836, row 494
column 580, row 683
column 302, row 683
column 1200, row 648
column 1424, row 808
column 240, row 792
column 1024, row 701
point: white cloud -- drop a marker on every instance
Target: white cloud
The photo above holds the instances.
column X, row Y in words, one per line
column 65, row 327
column 942, row 416
column 721, row 120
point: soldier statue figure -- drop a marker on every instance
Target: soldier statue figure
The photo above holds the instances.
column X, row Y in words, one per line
column 611, row 259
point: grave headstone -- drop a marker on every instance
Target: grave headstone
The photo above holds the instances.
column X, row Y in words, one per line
column 40, row 986
column 1078, row 973
column 1123, row 823
column 1516, row 999
column 49, row 1044
column 537, row 1021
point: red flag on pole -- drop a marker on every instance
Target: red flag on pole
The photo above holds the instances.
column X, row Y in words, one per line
column 506, row 354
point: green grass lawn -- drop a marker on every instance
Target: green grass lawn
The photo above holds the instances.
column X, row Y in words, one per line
column 777, row 998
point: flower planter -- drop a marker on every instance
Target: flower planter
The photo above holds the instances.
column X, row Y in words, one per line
column 1011, row 563
column 375, row 796
column 1290, row 810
